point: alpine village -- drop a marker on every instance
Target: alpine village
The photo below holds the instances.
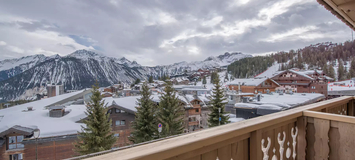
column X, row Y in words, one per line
column 296, row 104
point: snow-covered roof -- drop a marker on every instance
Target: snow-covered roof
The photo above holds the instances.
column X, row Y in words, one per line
column 38, row 117
column 195, row 89
column 345, row 85
column 280, row 102
column 249, row 82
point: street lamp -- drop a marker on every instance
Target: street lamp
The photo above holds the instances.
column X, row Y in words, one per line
column 36, row 133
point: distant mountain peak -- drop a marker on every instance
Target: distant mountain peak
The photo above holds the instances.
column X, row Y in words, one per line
column 83, row 53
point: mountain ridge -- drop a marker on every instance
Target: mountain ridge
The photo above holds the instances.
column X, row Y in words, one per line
column 82, row 68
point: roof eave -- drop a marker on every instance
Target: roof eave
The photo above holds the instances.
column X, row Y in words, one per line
column 338, row 12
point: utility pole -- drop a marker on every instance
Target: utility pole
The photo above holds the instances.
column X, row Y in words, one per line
column 219, row 118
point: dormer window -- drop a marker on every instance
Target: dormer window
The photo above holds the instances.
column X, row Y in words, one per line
column 15, row 142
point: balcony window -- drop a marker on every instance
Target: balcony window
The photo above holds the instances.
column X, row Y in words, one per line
column 15, row 142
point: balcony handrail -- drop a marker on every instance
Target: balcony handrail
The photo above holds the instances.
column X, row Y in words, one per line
column 330, row 116
column 182, row 144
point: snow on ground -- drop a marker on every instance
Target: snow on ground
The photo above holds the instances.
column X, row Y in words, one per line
column 39, row 117
column 222, row 76
column 269, row 72
column 233, row 118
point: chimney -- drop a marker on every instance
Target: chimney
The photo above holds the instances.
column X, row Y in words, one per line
column 29, row 108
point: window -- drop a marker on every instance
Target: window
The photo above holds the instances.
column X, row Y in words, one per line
column 122, row 111
column 15, row 142
column 117, row 135
column 109, row 111
column 118, row 111
column 120, row 122
column 196, row 110
column 16, row 157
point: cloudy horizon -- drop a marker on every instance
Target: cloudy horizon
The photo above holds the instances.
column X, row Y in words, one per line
column 164, row 32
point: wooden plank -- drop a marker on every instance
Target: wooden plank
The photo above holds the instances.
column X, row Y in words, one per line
column 301, row 139
column 321, row 147
column 351, row 108
column 195, row 158
column 334, row 143
column 255, row 145
column 329, row 116
column 205, row 149
column 170, row 147
column 278, row 125
column 347, row 141
column 224, row 153
column 310, row 134
column 212, row 155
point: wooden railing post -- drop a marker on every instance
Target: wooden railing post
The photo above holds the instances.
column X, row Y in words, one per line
column 321, row 146
column 301, row 139
column 255, row 145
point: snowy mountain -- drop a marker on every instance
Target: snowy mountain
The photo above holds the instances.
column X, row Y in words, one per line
column 82, row 68
column 12, row 67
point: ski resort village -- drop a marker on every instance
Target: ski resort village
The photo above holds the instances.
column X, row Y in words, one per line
column 59, row 115
column 83, row 103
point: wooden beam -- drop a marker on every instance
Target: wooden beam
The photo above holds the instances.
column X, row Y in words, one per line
column 340, row 12
column 329, row 116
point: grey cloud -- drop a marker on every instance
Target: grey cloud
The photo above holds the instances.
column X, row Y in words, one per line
column 136, row 29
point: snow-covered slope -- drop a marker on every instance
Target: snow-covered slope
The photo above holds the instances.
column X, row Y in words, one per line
column 211, row 62
column 12, row 67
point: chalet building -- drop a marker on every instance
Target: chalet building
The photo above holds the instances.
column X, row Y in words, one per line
column 180, row 81
column 54, row 90
column 106, row 94
column 310, row 81
column 255, row 85
column 122, row 119
column 196, row 113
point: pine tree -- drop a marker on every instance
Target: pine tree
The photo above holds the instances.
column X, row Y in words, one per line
column 144, row 126
column 170, row 113
column 216, row 103
column 325, row 69
column 137, row 81
column 150, row 79
column 204, row 80
column 96, row 136
column 341, row 71
column 331, row 71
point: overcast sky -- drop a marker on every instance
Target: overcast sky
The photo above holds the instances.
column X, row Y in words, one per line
column 157, row 32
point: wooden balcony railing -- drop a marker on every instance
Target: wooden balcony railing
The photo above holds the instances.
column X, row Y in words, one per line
column 315, row 131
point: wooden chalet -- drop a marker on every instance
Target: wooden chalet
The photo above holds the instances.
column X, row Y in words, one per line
column 303, row 81
column 253, row 85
